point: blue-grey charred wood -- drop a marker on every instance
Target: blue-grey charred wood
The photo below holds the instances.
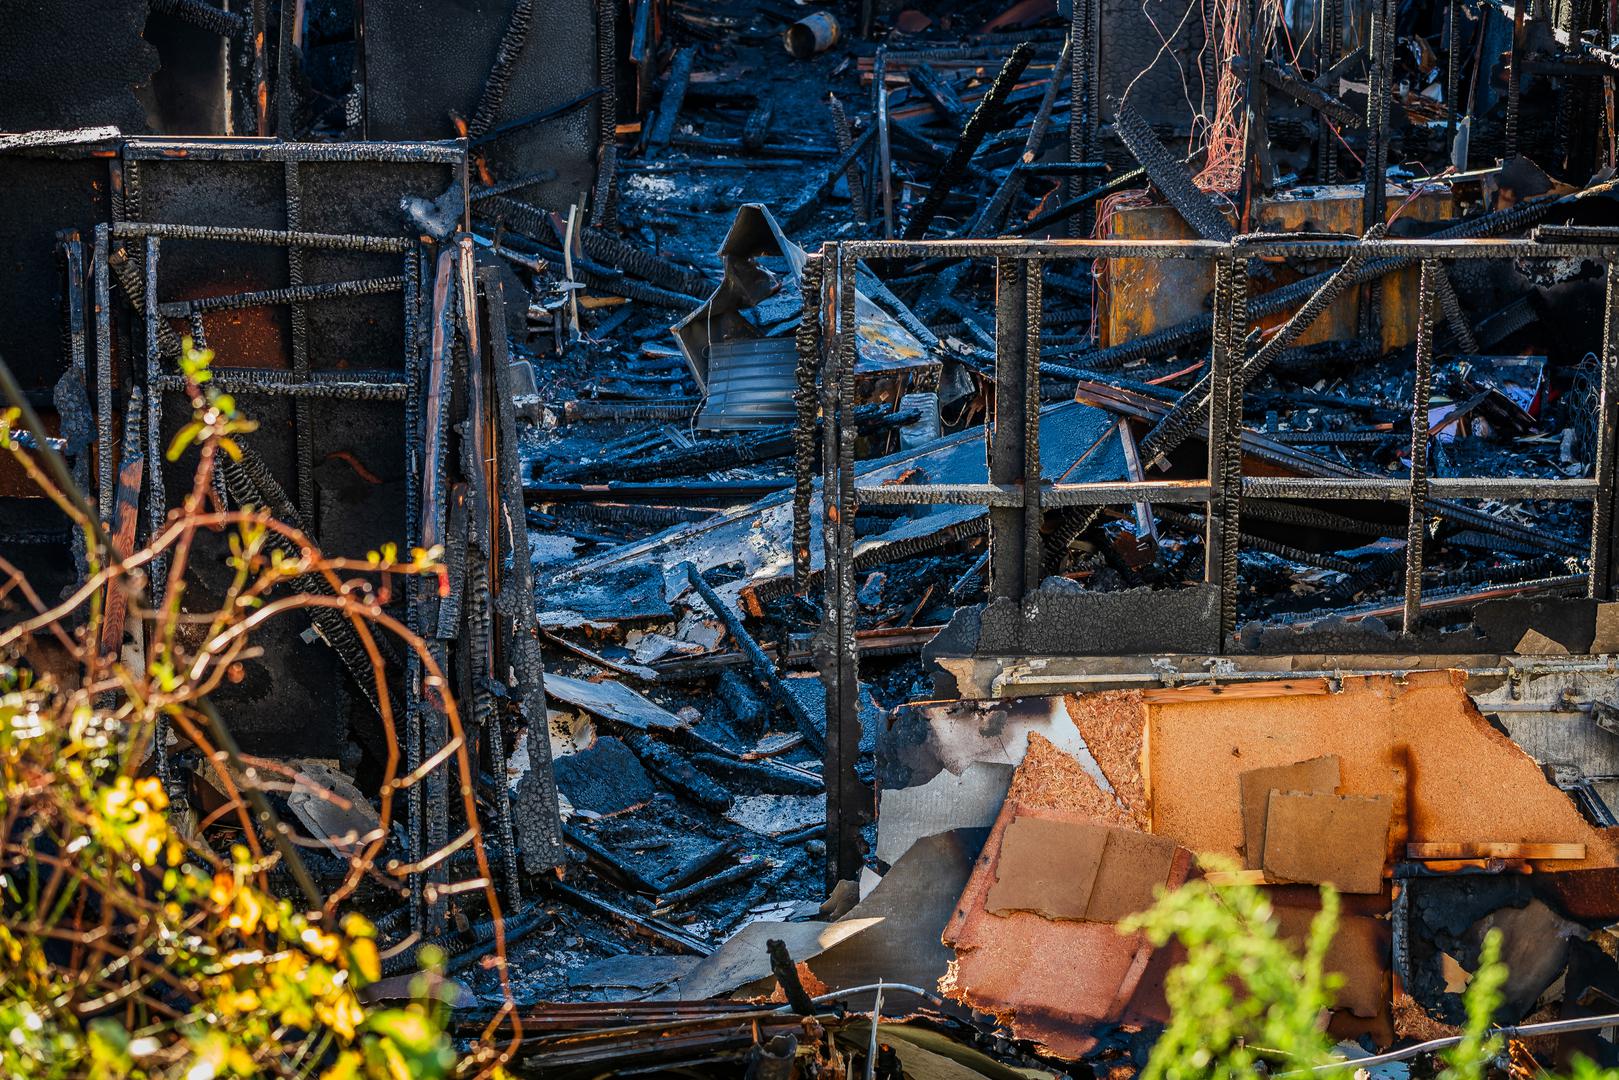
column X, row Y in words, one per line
column 992, row 217
column 1417, row 529
column 1012, row 443
column 104, row 408
column 124, row 230
column 763, row 668
column 809, row 342
column 334, row 290
column 1190, row 411
column 674, row 95
column 1330, row 106
column 1455, row 317
column 1607, row 423
column 985, row 118
column 1084, row 34
column 498, row 83
column 843, row 133
column 1171, row 176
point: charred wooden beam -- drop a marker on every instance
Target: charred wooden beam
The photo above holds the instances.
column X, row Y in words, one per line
column 984, row 119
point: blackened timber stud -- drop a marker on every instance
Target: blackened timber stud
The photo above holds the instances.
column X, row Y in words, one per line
column 1417, row 527
column 978, row 125
column 1600, row 585
column 804, row 399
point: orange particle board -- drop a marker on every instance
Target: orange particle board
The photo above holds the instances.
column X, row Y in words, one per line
column 1462, row 779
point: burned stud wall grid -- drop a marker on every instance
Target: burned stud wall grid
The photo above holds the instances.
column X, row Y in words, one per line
column 354, row 370
column 1016, row 507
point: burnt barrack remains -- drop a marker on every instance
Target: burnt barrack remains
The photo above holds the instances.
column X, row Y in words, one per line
column 375, row 363
column 926, row 444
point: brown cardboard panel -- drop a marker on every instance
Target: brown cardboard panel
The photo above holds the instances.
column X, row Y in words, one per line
column 1047, row 867
column 1051, row 980
column 1255, row 785
column 1329, row 839
column 1465, row 781
column 1078, row 870
column 1135, row 865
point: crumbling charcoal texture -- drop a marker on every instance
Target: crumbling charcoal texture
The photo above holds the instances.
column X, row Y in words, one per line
column 425, row 62
column 66, row 67
column 44, row 190
column 1068, row 621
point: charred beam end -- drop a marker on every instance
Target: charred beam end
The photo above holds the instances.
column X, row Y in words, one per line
column 763, row 669
column 983, row 119
column 674, row 94
column 844, row 134
column 1170, row 176
column 204, row 16
column 806, row 203
column 993, row 216
column 1327, row 104
column 495, row 87
column 129, row 282
column 1068, row 209
column 940, row 94
column 609, row 249
column 786, row 972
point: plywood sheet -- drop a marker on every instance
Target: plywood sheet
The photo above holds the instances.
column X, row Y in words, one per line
column 1463, row 780
column 1316, row 774
column 1327, row 839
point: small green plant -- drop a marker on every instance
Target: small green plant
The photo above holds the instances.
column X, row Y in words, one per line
column 1243, row 992
column 134, row 942
column 1245, row 1000
column 1481, row 998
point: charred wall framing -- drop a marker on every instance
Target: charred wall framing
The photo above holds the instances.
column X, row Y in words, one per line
column 1021, row 619
column 55, row 188
column 366, row 356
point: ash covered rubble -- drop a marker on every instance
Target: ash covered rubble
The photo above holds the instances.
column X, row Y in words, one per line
column 969, row 462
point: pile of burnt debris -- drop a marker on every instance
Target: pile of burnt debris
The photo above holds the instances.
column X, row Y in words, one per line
column 956, row 466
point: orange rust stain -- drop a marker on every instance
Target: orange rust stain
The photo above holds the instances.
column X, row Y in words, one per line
column 354, row 463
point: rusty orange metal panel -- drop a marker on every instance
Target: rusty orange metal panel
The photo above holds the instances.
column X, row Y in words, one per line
column 1051, row 980
column 1139, row 296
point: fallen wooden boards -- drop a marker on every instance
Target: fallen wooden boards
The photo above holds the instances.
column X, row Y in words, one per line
column 1493, row 850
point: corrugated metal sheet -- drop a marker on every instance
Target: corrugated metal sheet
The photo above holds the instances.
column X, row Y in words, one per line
column 750, row 384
